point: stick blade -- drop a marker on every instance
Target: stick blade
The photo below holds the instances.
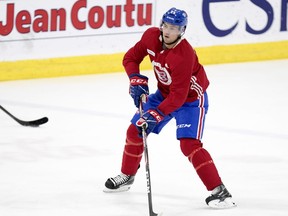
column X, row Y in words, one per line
column 156, row 214
column 35, row 123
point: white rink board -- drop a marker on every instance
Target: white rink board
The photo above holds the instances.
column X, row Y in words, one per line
column 28, row 29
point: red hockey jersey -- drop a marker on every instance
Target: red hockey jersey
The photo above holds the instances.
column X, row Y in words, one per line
column 181, row 78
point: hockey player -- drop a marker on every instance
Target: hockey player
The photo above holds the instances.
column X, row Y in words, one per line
column 181, row 94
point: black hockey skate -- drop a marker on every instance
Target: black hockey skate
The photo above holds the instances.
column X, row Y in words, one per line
column 220, row 198
column 119, row 183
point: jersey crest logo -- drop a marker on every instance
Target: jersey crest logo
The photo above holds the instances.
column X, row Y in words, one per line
column 162, row 73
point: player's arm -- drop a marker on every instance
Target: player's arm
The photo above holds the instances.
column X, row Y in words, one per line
column 179, row 88
column 131, row 62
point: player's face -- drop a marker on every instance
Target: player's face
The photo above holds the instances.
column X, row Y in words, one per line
column 170, row 32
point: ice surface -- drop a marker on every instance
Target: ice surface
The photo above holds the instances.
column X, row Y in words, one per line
column 59, row 169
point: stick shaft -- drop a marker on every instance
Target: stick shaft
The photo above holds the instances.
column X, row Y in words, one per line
column 147, row 166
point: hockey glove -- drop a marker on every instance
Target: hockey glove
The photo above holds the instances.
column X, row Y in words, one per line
column 138, row 86
column 149, row 120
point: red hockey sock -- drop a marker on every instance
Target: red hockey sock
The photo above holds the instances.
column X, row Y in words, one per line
column 202, row 162
column 133, row 151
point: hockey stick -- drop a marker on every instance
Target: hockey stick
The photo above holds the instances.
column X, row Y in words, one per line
column 148, row 178
column 34, row 123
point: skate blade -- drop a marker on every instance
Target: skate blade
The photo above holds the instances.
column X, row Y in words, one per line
column 217, row 204
column 118, row 190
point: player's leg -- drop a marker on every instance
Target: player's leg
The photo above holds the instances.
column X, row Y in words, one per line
column 207, row 171
column 131, row 158
column 133, row 150
column 201, row 161
column 190, row 121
